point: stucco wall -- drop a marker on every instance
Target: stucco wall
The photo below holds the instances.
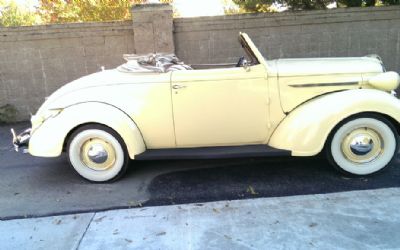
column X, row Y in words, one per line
column 340, row 32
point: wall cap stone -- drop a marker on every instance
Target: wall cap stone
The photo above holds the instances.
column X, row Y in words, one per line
column 151, row 7
column 258, row 20
column 57, row 31
column 330, row 12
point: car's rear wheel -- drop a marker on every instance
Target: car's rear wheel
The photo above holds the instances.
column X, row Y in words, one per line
column 363, row 145
column 97, row 153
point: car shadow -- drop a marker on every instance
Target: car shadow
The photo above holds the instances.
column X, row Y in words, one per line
column 213, row 180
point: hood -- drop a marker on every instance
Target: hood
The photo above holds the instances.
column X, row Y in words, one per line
column 325, row 66
column 303, row 79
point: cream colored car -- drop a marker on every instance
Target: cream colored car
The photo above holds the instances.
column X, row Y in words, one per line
column 298, row 107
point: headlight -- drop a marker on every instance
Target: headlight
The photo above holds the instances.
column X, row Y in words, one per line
column 39, row 119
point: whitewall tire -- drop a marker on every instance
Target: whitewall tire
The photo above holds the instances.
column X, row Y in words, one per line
column 97, row 153
column 363, row 145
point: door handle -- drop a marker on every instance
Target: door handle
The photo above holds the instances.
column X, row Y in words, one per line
column 176, row 86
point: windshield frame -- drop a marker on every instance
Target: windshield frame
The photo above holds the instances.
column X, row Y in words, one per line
column 251, row 50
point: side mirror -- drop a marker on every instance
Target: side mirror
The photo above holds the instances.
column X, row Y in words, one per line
column 246, row 65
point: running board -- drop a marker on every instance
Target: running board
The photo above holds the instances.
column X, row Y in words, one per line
column 212, row 152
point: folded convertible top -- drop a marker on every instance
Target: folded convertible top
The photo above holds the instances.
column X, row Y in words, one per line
column 152, row 63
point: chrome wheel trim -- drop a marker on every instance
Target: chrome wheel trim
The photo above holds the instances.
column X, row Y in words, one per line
column 98, row 154
column 368, row 164
column 362, row 145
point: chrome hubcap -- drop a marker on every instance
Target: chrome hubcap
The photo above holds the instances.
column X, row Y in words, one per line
column 97, row 154
column 362, row 145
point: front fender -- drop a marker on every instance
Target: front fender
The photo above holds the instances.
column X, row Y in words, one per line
column 48, row 139
column 305, row 130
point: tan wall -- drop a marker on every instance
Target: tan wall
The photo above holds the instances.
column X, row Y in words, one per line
column 340, row 32
column 35, row 61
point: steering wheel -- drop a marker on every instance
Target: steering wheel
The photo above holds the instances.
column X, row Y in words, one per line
column 241, row 61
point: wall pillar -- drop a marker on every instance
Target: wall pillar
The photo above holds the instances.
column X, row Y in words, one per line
column 153, row 28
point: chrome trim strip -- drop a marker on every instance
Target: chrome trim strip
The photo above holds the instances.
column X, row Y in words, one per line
column 307, row 85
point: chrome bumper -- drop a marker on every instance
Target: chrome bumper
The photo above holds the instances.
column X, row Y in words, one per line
column 21, row 141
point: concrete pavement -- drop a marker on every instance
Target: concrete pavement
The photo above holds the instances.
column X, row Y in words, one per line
column 349, row 220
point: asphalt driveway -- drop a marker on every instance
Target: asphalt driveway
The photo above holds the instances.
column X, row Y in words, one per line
column 32, row 187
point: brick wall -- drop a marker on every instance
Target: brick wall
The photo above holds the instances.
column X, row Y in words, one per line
column 340, row 32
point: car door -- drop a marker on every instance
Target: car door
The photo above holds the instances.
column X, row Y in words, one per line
column 217, row 107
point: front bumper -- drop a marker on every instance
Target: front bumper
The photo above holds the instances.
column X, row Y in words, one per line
column 21, row 141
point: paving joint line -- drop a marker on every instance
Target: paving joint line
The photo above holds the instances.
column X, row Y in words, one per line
column 86, row 229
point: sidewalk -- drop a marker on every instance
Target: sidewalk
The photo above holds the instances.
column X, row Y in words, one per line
column 351, row 220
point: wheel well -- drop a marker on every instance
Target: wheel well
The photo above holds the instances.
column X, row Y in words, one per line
column 67, row 137
column 395, row 123
column 390, row 119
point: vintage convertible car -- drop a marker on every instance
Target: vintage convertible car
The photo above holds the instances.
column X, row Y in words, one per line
column 300, row 107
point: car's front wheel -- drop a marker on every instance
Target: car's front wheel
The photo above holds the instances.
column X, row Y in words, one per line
column 363, row 145
column 97, row 153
